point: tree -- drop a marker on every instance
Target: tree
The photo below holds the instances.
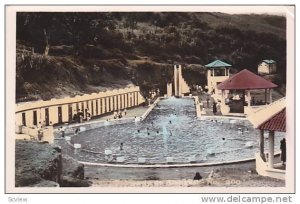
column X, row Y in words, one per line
column 47, row 47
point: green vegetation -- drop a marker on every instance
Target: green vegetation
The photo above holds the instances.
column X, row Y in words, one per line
column 61, row 54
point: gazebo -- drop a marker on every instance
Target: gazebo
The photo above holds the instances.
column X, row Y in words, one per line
column 241, row 82
column 271, row 118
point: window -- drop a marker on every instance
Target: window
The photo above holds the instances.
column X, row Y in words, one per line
column 220, row 72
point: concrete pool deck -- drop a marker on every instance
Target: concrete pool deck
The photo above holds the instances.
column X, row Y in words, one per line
column 231, row 175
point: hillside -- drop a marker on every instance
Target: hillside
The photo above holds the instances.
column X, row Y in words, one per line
column 61, row 54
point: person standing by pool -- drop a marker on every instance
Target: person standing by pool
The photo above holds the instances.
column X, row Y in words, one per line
column 76, row 131
column 79, row 116
column 283, row 151
column 62, row 131
column 197, row 176
column 121, row 146
column 88, row 115
column 214, row 108
column 207, row 101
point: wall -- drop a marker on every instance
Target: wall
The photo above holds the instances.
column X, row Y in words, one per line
column 62, row 110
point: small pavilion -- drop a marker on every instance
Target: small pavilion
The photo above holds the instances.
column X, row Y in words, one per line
column 243, row 81
column 217, row 72
column 271, row 118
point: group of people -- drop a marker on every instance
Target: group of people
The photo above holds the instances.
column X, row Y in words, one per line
column 80, row 116
column 119, row 114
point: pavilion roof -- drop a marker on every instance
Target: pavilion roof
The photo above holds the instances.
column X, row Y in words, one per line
column 245, row 80
column 276, row 122
column 217, row 63
column 269, row 116
column 269, row 61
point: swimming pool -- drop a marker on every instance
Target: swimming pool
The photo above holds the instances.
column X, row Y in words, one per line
column 172, row 133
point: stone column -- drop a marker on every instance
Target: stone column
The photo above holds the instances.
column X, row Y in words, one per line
column 99, row 106
column 175, row 81
column 133, row 98
column 118, row 102
column 111, row 105
column 223, row 98
column 103, row 101
column 270, row 93
column 271, row 149
column 208, row 78
column 266, row 91
column 107, row 105
column 179, row 75
column 249, row 98
column 262, row 145
column 169, row 89
column 125, row 100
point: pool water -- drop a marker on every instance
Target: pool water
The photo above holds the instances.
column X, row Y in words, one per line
column 172, row 130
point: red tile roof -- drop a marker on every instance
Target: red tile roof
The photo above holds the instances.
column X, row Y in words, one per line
column 245, row 80
column 276, row 122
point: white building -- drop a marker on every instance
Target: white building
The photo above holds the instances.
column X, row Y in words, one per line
column 267, row 67
column 217, row 72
